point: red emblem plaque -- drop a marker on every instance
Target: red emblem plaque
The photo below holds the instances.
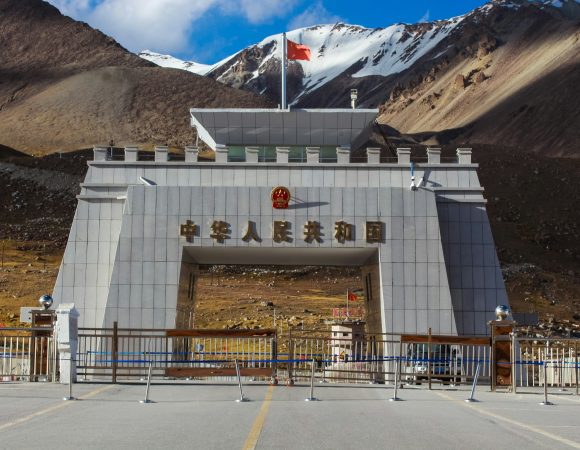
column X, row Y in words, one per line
column 280, row 196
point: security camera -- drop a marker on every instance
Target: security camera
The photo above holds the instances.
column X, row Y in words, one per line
column 413, row 186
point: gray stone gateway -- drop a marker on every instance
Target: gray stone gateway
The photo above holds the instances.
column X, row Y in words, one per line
column 141, row 228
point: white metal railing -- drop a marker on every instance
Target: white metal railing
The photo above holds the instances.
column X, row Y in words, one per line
column 27, row 354
column 560, row 356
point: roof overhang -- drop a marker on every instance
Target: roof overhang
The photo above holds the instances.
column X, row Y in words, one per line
column 283, row 128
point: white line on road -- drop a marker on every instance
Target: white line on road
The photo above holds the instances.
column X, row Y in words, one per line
column 51, row 409
column 513, row 422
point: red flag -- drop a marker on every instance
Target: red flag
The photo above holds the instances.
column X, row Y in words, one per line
column 298, row 51
column 352, row 297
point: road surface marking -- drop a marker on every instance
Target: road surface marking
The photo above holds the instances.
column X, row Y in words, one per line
column 51, row 408
column 513, row 422
column 252, row 438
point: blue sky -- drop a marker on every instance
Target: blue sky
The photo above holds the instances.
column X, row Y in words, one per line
column 207, row 31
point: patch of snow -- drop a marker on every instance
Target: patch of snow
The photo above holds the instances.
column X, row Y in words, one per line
column 175, row 63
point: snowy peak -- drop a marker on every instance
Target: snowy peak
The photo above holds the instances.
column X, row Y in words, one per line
column 336, row 50
column 174, row 63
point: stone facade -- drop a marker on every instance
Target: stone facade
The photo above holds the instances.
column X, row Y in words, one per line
column 435, row 265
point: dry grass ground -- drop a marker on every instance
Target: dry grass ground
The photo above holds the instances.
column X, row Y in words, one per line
column 251, row 297
column 27, row 270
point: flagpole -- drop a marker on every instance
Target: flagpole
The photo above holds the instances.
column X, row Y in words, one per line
column 284, row 56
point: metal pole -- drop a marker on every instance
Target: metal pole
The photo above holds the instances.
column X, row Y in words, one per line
column 242, row 398
column 576, row 365
column 148, row 384
column 284, row 54
column 546, row 402
column 471, row 398
column 70, row 381
column 513, row 369
column 429, row 364
column 394, row 398
column 311, row 398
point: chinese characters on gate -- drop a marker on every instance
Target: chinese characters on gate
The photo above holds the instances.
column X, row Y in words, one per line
column 281, row 231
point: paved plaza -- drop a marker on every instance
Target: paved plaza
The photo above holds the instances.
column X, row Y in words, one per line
column 206, row 416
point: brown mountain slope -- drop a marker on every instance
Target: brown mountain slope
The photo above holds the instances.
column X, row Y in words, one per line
column 64, row 86
column 517, row 86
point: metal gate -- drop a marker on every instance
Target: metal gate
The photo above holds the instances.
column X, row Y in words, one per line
column 343, row 356
column 448, row 359
column 123, row 353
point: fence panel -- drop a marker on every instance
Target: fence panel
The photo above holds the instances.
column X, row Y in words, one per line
column 449, row 359
column 343, row 356
column 127, row 353
column 27, row 354
column 559, row 355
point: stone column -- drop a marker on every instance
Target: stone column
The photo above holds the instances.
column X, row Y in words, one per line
column 67, row 340
column 343, row 155
column 282, row 155
column 373, row 155
column 404, row 156
column 312, row 155
column 221, row 153
column 131, row 153
column 433, row 156
column 100, row 153
column 161, row 154
column 252, row 154
column 464, row 155
column 191, row 153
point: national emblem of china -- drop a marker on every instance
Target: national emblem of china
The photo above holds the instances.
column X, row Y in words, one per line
column 280, row 196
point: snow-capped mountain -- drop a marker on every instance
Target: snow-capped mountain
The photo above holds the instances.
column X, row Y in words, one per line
column 348, row 56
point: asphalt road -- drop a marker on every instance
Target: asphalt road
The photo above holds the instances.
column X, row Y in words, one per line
column 205, row 416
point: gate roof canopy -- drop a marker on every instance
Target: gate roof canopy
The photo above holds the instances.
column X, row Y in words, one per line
column 281, row 128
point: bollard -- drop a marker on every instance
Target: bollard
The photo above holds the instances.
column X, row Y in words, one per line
column 471, row 398
column 242, row 398
column 70, row 381
column 546, row 402
column 311, row 398
column 147, row 388
column 394, row 398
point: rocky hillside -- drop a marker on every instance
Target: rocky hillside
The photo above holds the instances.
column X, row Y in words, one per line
column 64, row 86
column 506, row 73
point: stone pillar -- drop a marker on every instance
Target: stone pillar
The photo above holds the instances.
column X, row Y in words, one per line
column 282, row 155
column 191, row 153
column 312, row 155
column 373, row 155
column 100, row 153
column 221, row 153
column 404, row 156
column 131, row 153
column 161, row 154
column 67, row 340
column 252, row 154
column 433, row 156
column 343, row 155
column 464, row 155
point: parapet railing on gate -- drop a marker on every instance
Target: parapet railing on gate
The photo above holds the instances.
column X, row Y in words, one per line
column 124, row 353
